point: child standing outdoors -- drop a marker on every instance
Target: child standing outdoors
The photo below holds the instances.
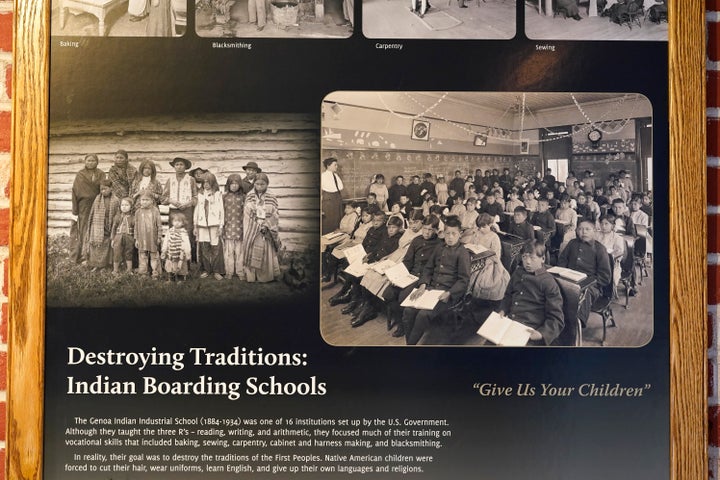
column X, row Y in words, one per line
column 209, row 220
column 176, row 248
column 148, row 230
column 233, row 202
column 99, row 229
column 123, row 236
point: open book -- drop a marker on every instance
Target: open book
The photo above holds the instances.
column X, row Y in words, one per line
column 382, row 265
column 568, row 273
column 357, row 268
column 355, row 253
column 426, row 301
column 399, row 276
column 503, row 331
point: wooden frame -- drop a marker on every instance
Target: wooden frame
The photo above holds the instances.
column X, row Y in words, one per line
column 687, row 257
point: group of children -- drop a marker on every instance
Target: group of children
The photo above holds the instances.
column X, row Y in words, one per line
column 230, row 234
column 593, row 241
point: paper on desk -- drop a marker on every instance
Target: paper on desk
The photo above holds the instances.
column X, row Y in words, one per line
column 382, row 265
column 503, row 331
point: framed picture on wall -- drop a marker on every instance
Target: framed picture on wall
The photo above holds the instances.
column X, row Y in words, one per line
column 420, row 130
column 524, row 147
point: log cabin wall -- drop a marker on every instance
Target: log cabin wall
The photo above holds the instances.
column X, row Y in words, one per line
column 285, row 146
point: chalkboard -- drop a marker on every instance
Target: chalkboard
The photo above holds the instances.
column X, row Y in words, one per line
column 357, row 167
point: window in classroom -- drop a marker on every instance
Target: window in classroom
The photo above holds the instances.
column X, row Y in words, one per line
column 649, row 170
column 559, row 167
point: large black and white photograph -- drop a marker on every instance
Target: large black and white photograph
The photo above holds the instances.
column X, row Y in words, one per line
column 274, row 18
column 182, row 210
column 454, row 20
column 596, row 20
column 474, row 218
column 119, row 18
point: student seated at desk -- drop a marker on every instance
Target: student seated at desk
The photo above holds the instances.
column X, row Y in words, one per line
column 519, row 226
column 513, row 201
column 415, row 259
column 533, row 297
column 447, row 269
column 367, row 309
column 531, row 203
column 458, row 209
column 334, row 258
column 623, row 223
column 490, row 206
column 585, row 254
column 387, row 244
column 468, row 220
column 485, row 236
column 613, row 243
column 543, row 218
column 347, row 226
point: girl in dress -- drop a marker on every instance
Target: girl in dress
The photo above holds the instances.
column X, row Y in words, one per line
column 380, row 190
column 260, row 231
column 148, row 235
column 233, row 201
column 441, row 190
column 99, row 227
column 209, row 221
column 176, row 249
column 145, row 182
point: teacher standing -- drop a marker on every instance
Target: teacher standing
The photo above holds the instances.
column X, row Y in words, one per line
column 332, row 186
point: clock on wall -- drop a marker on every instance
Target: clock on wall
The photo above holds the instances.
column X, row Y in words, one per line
column 420, row 130
column 594, row 136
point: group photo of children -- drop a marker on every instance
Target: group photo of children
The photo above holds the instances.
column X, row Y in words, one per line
column 545, row 238
column 150, row 221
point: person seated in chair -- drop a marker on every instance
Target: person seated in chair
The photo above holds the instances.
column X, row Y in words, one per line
column 533, row 297
column 447, row 269
column 587, row 255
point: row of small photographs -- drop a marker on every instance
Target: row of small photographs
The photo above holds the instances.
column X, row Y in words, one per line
column 644, row 20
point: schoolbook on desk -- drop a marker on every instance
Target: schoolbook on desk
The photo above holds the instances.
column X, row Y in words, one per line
column 475, row 248
column 501, row 330
column 355, row 253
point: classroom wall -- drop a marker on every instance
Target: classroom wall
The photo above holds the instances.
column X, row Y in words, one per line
column 285, row 146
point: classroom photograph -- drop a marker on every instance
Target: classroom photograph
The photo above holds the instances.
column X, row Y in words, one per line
column 644, row 20
column 435, row 19
column 119, row 18
column 274, row 18
column 486, row 219
column 176, row 210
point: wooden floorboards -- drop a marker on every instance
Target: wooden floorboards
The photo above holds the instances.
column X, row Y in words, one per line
column 634, row 325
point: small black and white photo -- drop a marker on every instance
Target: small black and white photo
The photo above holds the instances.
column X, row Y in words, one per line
column 502, row 218
column 642, row 20
column 274, row 18
column 435, row 19
column 182, row 210
column 119, row 18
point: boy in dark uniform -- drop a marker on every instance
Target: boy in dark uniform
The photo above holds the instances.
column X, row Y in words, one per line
column 533, row 297
column 590, row 257
column 447, row 269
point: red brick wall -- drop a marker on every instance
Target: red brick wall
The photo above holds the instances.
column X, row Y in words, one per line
column 6, row 19
column 713, row 190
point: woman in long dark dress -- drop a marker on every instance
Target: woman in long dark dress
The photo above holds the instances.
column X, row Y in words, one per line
column 84, row 190
column 331, row 186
